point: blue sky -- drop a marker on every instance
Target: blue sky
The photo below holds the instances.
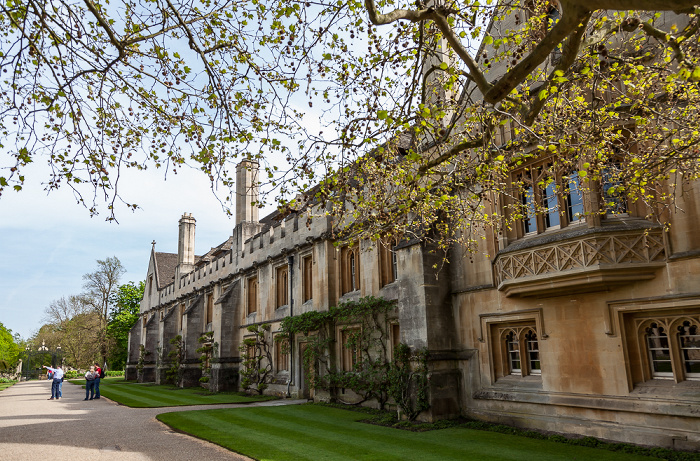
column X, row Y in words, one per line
column 47, row 242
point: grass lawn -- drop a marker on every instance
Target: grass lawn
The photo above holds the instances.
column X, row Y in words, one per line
column 312, row 432
column 4, row 386
column 137, row 395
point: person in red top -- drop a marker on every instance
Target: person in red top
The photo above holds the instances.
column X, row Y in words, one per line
column 98, row 376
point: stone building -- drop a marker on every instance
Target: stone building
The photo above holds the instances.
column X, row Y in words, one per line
column 583, row 323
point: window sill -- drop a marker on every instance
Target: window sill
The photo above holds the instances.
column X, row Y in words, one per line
column 530, row 382
column 668, row 389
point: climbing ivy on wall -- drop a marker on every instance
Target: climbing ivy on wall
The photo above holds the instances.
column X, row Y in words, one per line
column 408, row 381
column 175, row 357
column 256, row 372
column 142, row 359
column 374, row 375
column 206, row 351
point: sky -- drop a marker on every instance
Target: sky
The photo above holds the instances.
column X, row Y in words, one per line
column 47, row 242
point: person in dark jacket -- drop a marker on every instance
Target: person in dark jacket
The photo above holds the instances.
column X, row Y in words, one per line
column 90, row 383
column 98, row 372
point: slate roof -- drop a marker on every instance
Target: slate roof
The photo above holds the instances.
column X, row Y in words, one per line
column 165, row 265
column 214, row 253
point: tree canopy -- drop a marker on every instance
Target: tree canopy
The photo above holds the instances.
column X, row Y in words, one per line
column 395, row 103
column 9, row 348
column 80, row 323
column 123, row 315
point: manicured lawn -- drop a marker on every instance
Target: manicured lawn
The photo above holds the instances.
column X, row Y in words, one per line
column 4, row 386
column 138, row 395
column 312, row 432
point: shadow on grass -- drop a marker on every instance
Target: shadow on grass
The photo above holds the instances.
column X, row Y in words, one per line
column 314, row 432
column 150, row 395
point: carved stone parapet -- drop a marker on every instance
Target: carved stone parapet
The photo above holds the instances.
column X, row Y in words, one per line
column 590, row 262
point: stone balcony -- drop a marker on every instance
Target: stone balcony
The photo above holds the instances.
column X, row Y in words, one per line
column 580, row 259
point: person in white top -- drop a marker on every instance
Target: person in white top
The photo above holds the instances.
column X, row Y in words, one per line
column 57, row 380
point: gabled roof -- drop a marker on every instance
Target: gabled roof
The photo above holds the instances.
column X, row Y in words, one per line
column 165, row 265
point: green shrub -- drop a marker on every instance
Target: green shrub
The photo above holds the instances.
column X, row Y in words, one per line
column 6, row 380
column 114, row 373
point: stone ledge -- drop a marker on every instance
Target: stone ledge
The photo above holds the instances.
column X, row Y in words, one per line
column 658, row 406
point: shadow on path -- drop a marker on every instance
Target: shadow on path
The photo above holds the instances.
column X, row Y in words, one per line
column 32, row 427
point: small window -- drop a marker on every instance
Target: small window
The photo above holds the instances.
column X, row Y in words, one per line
column 182, row 315
column 387, row 262
column 282, row 283
column 520, row 353
column 350, row 348
column 252, row 295
column 659, row 351
column 210, row 308
column 574, row 198
column 533, row 352
column 282, row 355
column 547, row 198
column 529, row 216
column 395, row 334
column 513, row 347
column 689, row 337
column 666, row 346
column 550, row 203
column 308, row 278
column 349, row 269
column 150, row 285
column 613, row 190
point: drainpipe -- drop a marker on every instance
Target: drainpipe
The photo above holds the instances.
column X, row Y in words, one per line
column 290, row 262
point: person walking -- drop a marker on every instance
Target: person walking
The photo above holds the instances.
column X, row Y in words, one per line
column 98, row 372
column 56, row 382
column 90, row 384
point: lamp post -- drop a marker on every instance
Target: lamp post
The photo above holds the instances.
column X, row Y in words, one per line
column 25, row 366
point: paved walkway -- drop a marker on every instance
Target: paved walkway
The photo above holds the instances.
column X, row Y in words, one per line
column 34, row 428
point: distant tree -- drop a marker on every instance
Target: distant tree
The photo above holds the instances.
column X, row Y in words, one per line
column 73, row 324
column 9, row 349
column 123, row 315
column 101, row 286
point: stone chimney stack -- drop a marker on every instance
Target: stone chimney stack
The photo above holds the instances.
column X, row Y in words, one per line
column 246, row 192
column 185, row 244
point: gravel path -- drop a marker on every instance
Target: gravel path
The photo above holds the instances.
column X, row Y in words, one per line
column 34, row 428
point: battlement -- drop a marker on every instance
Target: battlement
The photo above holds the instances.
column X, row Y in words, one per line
column 270, row 242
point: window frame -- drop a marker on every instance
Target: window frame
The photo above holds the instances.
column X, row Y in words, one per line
column 280, row 356
column 388, row 263
column 349, row 357
column 493, row 328
column 543, row 197
column 307, row 275
column 671, row 324
column 512, row 335
column 209, row 309
column 281, row 285
column 349, row 269
column 252, row 295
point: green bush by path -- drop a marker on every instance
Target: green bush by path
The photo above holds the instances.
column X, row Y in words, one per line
column 313, row 432
column 147, row 395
